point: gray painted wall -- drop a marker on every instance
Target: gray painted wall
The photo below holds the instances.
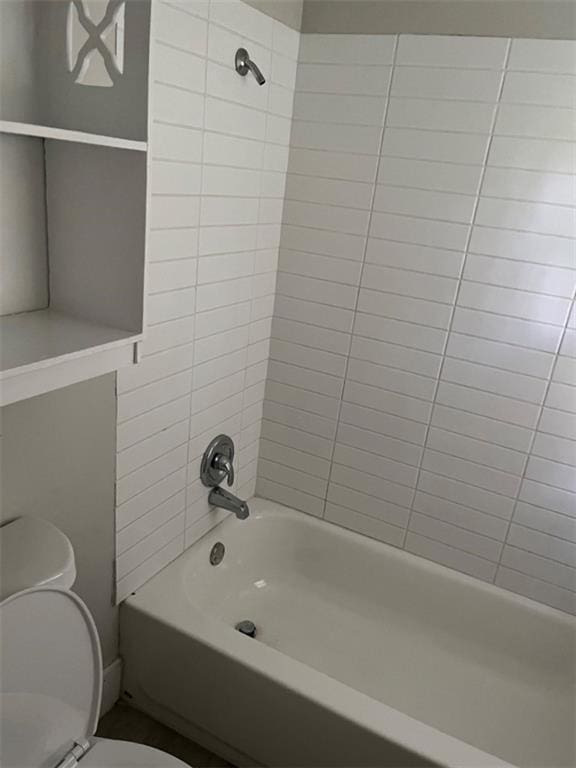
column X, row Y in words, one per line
column 23, row 243
column 497, row 18
column 57, row 462
column 289, row 12
column 17, row 40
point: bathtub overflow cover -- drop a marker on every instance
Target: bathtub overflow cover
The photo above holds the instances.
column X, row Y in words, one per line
column 217, row 553
column 247, row 627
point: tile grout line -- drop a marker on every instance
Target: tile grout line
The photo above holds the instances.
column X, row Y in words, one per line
column 270, row 114
column 402, row 464
column 346, row 152
column 459, row 285
column 452, row 222
column 514, row 345
column 260, row 171
column 358, row 382
column 489, row 312
column 157, row 528
column 466, row 280
column 363, row 262
column 152, row 509
column 275, row 293
column 198, row 230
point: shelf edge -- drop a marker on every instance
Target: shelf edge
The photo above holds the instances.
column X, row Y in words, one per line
column 62, row 134
column 64, row 373
column 79, row 354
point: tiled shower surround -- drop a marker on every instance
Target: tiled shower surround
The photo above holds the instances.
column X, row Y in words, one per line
column 220, row 152
column 420, row 376
column 422, row 366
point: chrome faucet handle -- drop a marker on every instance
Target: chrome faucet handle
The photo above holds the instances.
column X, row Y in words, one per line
column 218, row 462
column 224, row 464
column 244, row 64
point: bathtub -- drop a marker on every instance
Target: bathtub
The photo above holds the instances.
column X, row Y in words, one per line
column 364, row 656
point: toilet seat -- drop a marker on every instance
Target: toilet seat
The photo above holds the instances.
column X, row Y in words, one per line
column 106, row 753
column 51, row 687
column 51, row 681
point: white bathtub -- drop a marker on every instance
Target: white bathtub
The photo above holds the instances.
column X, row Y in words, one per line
column 365, row 655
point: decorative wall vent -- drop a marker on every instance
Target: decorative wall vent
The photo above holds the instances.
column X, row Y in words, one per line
column 95, row 41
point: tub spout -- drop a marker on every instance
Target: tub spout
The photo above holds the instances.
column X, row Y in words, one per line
column 225, row 500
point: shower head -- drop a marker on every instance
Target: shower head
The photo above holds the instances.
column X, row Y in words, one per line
column 244, row 64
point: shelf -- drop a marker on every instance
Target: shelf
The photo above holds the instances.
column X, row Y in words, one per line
column 78, row 137
column 45, row 350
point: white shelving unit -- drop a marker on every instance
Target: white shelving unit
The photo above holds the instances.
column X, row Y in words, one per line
column 73, row 201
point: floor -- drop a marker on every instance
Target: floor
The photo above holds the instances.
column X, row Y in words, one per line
column 125, row 723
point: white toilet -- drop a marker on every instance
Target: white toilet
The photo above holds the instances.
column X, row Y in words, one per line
column 50, row 661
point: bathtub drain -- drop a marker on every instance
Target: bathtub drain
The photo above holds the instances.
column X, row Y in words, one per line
column 217, row 553
column 246, row 627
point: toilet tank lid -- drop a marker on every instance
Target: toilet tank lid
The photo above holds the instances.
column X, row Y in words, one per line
column 34, row 553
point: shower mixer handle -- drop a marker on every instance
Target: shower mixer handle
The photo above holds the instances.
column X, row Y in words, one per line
column 223, row 464
column 244, row 64
column 218, row 462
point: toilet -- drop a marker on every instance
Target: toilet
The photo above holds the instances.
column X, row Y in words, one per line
column 50, row 661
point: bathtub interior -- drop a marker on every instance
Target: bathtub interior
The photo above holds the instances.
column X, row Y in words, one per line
column 472, row 661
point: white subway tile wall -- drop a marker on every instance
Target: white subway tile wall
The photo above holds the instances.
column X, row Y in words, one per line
column 422, row 380
column 219, row 147
column 413, row 377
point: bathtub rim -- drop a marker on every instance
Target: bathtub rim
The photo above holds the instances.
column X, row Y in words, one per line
column 337, row 697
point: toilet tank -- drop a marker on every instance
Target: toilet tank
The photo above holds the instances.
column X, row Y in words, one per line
column 34, row 553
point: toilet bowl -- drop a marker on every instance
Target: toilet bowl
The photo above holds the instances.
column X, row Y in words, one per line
column 51, row 671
